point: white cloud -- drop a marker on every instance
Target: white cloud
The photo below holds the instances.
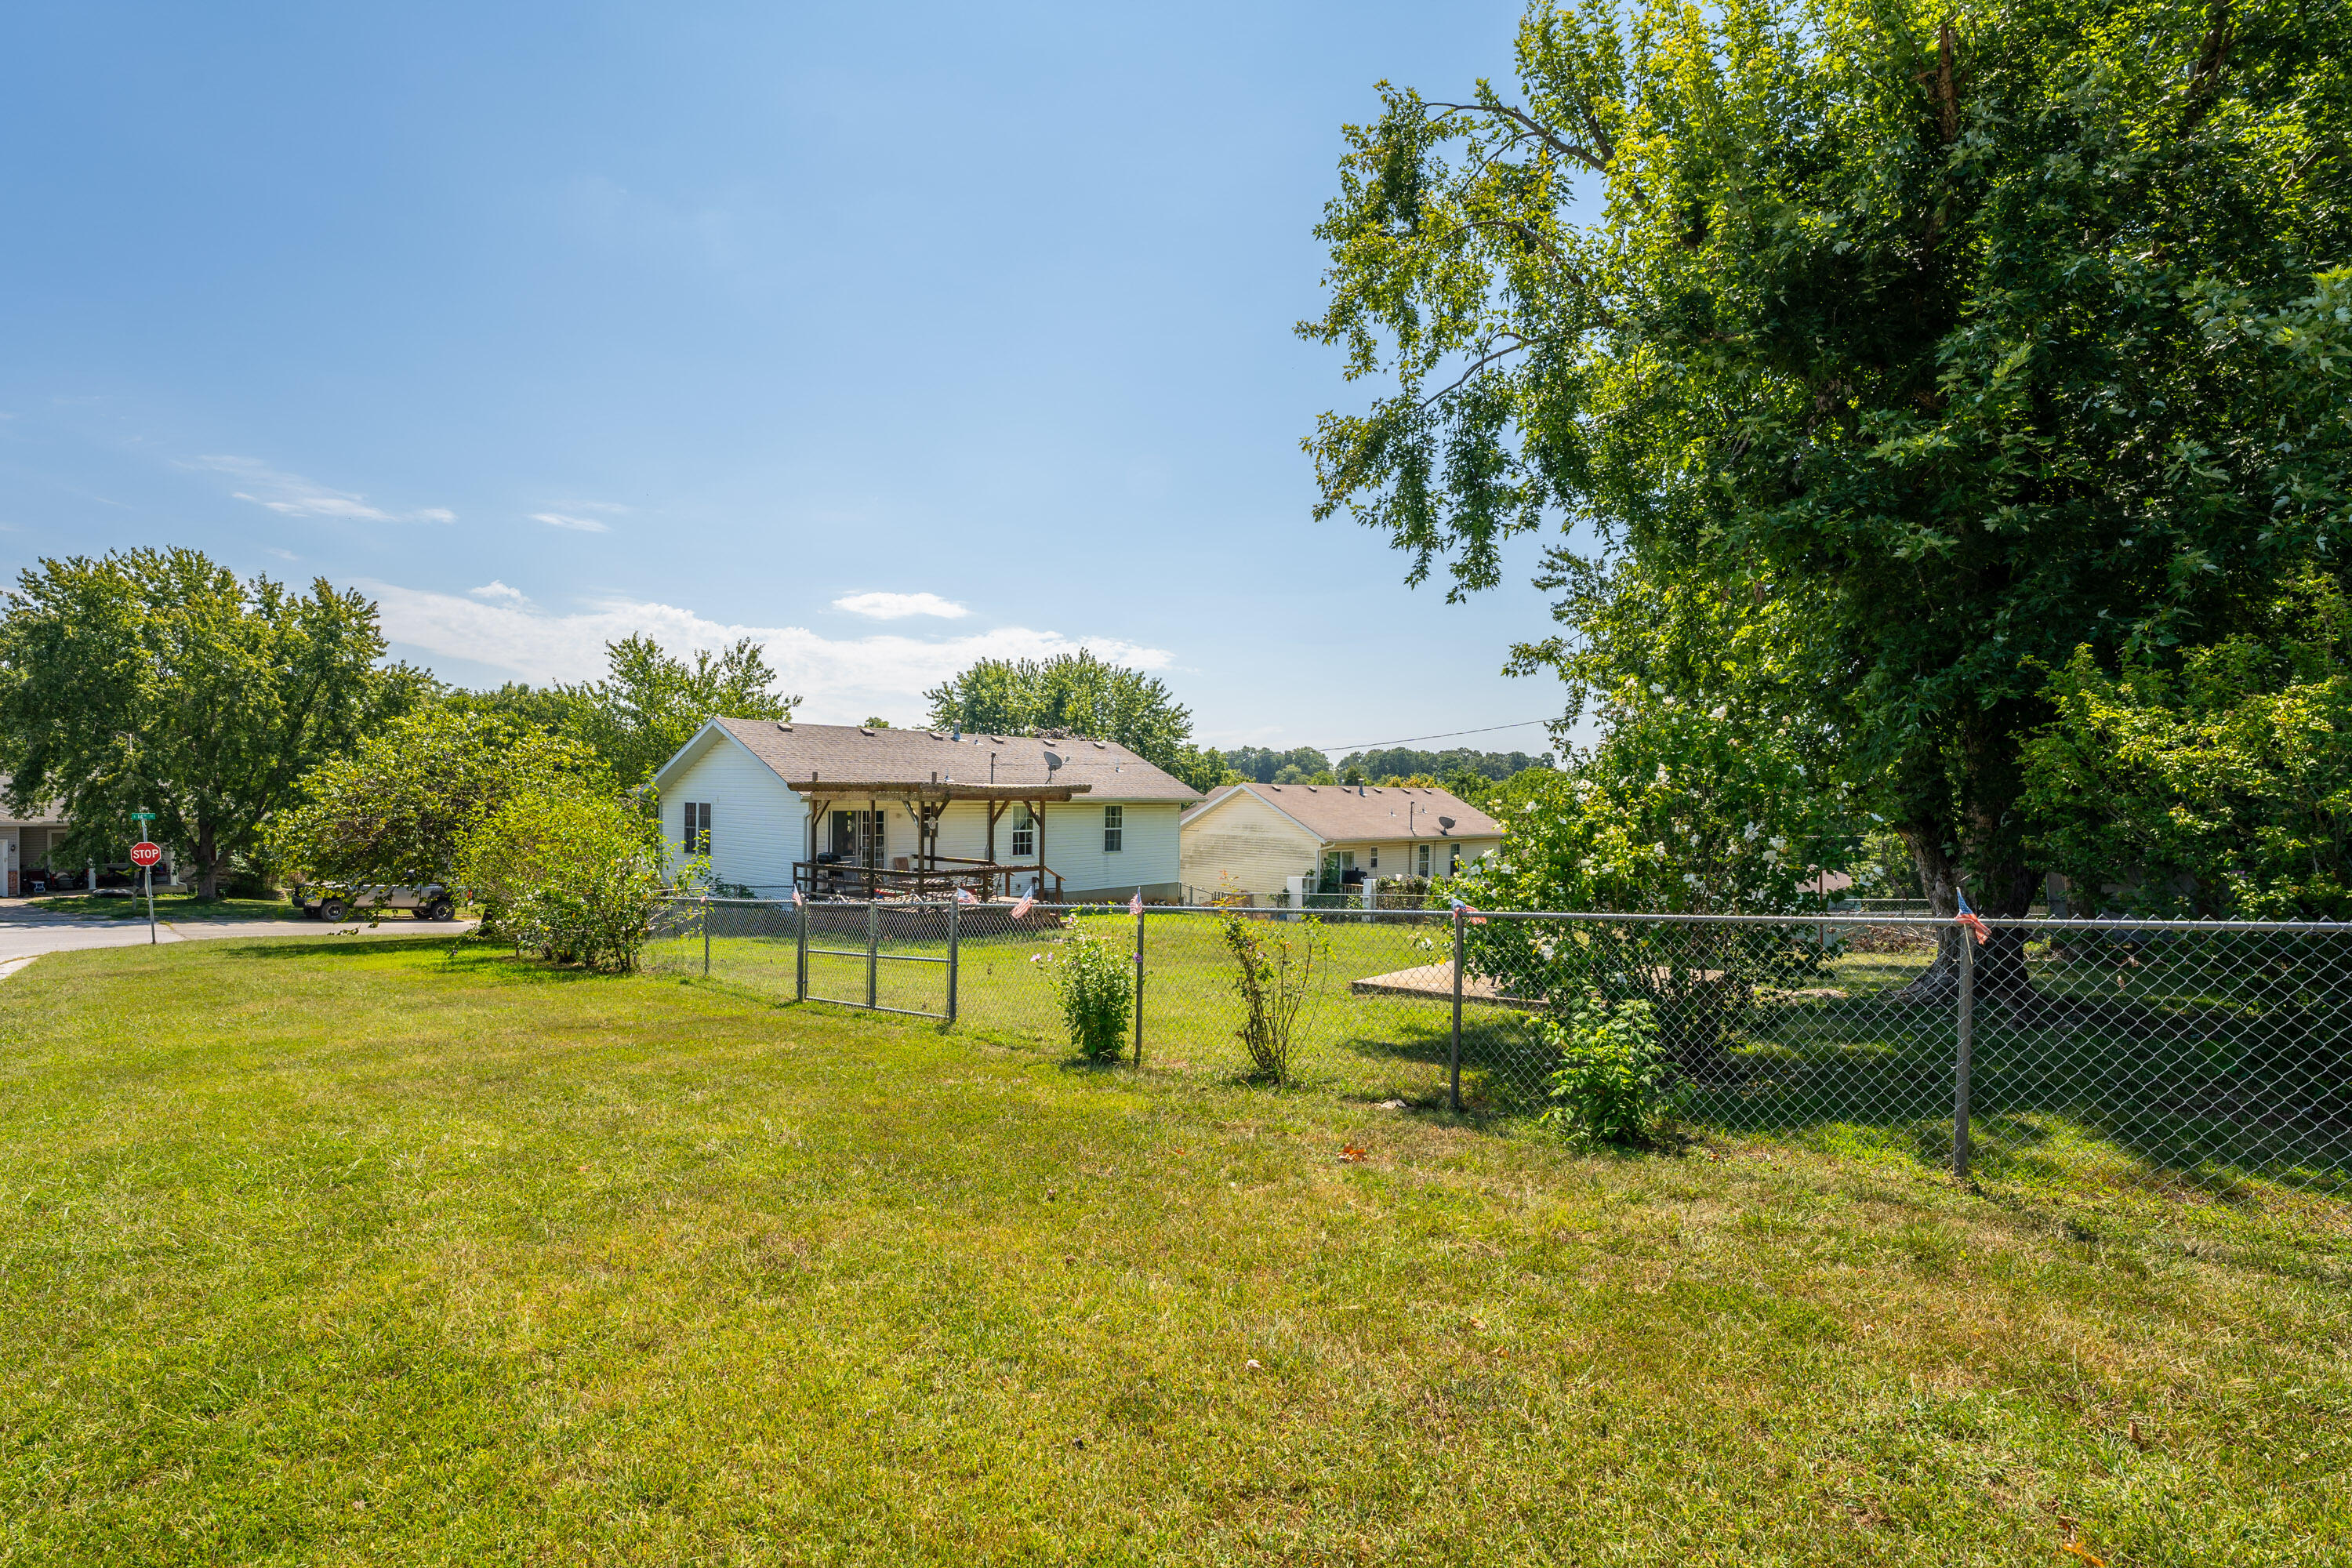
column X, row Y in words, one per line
column 564, row 520
column 899, row 606
column 281, row 554
column 841, row 678
column 496, row 591
column 291, row 495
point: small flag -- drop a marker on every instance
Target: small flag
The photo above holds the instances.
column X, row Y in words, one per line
column 1466, row 912
column 1135, row 904
column 1021, row 907
column 1972, row 921
column 797, row 901
column 966, row 896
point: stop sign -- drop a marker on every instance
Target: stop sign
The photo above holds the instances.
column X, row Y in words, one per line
column 145, row 854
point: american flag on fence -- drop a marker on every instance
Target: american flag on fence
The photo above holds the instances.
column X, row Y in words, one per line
column 1972, row 921
column 1466, row 912
column 1135, row 904
column 966, row 896
column 1027, row 899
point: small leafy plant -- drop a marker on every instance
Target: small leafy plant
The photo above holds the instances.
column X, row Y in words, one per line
column 1615, row 1082
column 1278, row 974
column 1094, row 977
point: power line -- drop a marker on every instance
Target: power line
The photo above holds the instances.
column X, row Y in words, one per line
column 1448, row 735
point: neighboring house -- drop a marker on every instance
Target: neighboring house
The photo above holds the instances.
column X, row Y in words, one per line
column 1254, row 838
column 842, row 810
column 24, row 846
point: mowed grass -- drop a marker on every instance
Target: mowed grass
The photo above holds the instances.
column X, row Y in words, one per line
column 172, row 905
column 342, row 1251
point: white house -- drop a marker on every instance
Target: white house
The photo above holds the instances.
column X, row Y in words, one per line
column 1254, row 838
column 839, row 809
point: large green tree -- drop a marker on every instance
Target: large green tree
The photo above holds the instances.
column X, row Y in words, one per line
column 1082, row 695
column 396, row 809
column 1956, row 340
column 649, row 703
column 157, row 679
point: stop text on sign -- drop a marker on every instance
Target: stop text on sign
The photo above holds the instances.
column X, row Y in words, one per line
column 145, row 854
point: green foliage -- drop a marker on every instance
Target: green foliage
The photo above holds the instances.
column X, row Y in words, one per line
column 1093, row 977
column 1401, row 762
column 1707, row 794
column 157, row 680
column 1263, row 764
column 566, row 871
column 1082, row 695
column 2223, row 788
column 1615, row 1083
column 1947, row 343
column 1278, row 971
column 395, row 809
column 649, row 703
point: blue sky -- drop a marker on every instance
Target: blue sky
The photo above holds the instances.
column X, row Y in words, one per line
column 892, row 336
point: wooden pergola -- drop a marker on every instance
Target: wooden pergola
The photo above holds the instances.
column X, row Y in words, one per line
column 929, row 874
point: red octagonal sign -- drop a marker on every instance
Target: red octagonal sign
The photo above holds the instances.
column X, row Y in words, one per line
column 145, row 854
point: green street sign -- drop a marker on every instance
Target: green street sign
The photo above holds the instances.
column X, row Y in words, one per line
column 143, row 817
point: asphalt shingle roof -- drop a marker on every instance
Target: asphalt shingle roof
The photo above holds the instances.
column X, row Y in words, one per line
column 848, row 754
column 1341, row 813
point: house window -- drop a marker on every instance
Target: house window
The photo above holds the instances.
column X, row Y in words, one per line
column 1376, row 861
column 1024, row 832
column 695, row 829
column 1114, row 827
column 1423, row 855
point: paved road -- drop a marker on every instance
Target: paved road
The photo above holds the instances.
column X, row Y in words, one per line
column 26, row 932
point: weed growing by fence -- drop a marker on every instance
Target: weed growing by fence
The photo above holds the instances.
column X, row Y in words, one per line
column 1277, row 975
column 1094, row 975
column 1615, row 1082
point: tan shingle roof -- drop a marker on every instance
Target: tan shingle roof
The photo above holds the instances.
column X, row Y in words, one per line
column 1340, row 814
column 845, row 753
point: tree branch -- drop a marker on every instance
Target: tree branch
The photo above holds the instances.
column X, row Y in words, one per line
column 1516, row 345
column 1596, row 162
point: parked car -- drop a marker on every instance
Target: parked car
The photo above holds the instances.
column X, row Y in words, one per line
column 428, row 901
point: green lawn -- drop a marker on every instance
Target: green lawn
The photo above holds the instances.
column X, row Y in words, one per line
column 174, row 906
column 342, row 1251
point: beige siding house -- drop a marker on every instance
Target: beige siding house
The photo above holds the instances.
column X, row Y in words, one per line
column 1254, row 838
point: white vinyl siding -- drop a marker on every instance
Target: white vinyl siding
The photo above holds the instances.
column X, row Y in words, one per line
column 757, row 827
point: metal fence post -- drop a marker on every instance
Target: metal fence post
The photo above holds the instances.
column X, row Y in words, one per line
column 1139, row 986
column 800, row 968
column 1967, row 1032
column 1454, row 1051
column 706, row 936
column 873, row 953
column 954, row 950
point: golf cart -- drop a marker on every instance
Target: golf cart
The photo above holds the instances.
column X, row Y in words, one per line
column 426, row 901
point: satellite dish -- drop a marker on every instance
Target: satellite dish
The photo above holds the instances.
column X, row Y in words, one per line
column 1446, row 823
column 1052, row 764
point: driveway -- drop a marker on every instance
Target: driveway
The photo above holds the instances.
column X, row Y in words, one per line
column 26, row 934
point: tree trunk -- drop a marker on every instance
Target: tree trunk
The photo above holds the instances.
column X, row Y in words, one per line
column 208, row 884
column 2004, row 887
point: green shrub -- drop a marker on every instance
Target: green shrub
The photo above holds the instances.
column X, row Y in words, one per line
column 1278, row 972
column 1094, row 977
column 1615, row 1082
column 565, row 871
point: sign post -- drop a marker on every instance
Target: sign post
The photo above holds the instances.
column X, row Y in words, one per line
column 143, row 854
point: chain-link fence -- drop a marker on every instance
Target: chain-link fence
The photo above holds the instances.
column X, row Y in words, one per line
column 2127, row 1053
